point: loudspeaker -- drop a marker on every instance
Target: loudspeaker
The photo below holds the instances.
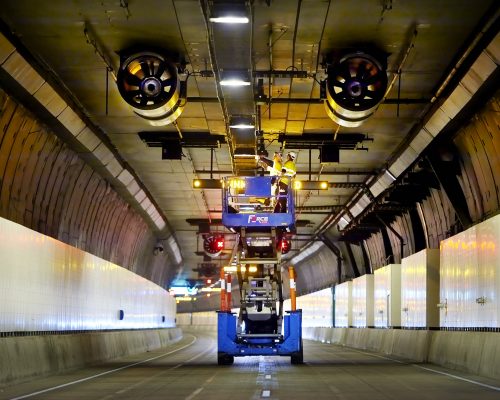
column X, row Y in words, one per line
column 329, row 153
column 171, row 150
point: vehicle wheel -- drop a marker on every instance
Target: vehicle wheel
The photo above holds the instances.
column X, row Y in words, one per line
column 224, row 359
column 298, row 357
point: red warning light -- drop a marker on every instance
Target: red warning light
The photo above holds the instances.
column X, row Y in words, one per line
column 285, row 246
column 213, row 245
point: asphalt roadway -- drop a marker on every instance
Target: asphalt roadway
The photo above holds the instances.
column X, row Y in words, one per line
column 188, row 370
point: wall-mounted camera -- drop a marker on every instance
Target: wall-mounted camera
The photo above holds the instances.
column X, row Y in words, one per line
column 158, row 249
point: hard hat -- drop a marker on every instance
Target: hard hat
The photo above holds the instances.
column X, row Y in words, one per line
column 293, row 155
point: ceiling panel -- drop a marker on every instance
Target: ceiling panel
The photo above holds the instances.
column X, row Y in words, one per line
column 285, row 35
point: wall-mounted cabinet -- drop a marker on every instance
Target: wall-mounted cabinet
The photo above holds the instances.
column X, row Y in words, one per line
column 420, row 289
column 387, row 296
column 470, row 277
column 343, row 305
column 362, row 301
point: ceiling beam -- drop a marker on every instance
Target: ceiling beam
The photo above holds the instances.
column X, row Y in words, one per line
column 197, row 99
column 322, row 173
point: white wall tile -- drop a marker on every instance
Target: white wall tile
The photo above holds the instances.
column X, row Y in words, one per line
column 387, row 296
column 317, row 308
column 362, row 301
column 343, row 304
column 49, row 285
column 420, row 289
column 470, row 273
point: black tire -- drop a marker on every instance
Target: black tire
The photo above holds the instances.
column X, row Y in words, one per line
column 298, row 357
column 224, row 359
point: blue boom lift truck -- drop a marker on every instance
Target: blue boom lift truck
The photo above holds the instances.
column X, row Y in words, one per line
column 260, row 328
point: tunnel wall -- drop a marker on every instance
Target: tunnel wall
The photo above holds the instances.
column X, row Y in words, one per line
column 28, row 357
column 474, row 352
column 47, row 285
column 472, row 159
column 48, row 187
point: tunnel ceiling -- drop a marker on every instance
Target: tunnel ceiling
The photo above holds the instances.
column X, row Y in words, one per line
column 77, row 43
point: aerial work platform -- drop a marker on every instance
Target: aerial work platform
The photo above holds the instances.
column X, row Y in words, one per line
column 251, row 202
column 259, row 328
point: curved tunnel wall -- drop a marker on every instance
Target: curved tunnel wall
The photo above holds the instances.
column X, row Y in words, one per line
column 48, row 187
column 470, row 160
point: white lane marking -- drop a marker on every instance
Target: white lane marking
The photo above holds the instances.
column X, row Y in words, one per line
column 268, row 376
column 459, row 378
column 160, row 373
column 496, row 388
column 101, row 374
column 194, row 394
column 197, row 391
column 266, row 393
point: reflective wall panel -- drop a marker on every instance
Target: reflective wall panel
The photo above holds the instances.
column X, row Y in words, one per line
column 317, row 308
column 362, row 301
column 470, row 277
column 420, row 289
column 387, row 296
column 343, row 304
column 197, row 318
column 47, row 285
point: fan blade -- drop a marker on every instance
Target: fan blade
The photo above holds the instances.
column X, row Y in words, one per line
column 145, row 68
column 360, row 74
column 168, row 82
column 370, row 80
column 161, row 70
column 131, row 79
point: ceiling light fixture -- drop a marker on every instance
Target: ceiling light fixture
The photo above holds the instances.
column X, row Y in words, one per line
column 235, row 78
column 242, row 122
column 242, row 126
column 247, row 152
column 234, row 82
column 230, row 19
column 229, row 12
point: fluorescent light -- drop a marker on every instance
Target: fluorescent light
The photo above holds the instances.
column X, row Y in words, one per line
column 242, row 126
column 234, row 82
column 242, row 122
column 229, row 20
column 244, row 152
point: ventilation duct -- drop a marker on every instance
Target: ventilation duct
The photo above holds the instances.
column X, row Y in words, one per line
column 149, row 82
column 355, row 85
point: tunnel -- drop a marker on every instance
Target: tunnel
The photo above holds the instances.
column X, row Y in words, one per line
column 249, row 199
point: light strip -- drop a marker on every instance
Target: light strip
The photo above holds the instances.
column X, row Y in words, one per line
column 234, row 82
column 242, row 126
column 229, row 20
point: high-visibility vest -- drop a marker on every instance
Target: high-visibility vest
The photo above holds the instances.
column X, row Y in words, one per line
column 276, row 168
column 290, row 171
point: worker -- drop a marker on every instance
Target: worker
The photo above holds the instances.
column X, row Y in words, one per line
column 288, row 172
column 274, row 168
column 274, row 165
